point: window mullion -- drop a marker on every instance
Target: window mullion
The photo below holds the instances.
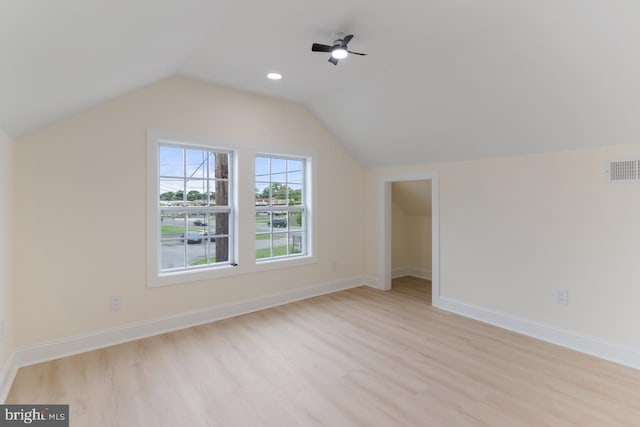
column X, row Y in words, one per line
column 280, row 208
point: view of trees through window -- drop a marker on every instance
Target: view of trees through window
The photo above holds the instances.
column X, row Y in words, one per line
column 195, row 209
column 280, row 207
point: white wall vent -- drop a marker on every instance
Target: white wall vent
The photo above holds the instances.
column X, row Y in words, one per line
column 624, row 170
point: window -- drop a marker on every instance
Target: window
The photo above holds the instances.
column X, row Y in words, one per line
column 194, row 208
column 281, row 207
column 195, row 216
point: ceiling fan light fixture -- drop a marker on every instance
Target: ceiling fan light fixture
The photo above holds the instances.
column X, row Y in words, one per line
column 339, row 50
column 339, row 53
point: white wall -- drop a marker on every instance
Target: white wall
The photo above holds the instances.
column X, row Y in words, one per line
column 512, row 230
column 81, row 207
column 6, row 259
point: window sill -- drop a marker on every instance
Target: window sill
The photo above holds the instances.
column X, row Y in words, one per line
column 182, row 277
column 280, row 263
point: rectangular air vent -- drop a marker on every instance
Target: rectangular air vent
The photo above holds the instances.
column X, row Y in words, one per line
column 624, row 170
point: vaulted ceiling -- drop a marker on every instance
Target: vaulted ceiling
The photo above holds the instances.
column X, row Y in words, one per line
column 444, row 79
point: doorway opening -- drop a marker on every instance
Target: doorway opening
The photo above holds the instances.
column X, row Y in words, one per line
column 411, row 217
column 416, row 196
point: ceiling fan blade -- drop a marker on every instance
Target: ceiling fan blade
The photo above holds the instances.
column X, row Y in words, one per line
column 357, row 53
column 347, row 39
column 317, row 47
column 333, row 60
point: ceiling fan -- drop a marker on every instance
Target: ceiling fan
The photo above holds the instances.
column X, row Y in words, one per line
column 339, row 49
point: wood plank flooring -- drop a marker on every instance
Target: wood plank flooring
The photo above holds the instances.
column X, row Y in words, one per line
column 361, row 357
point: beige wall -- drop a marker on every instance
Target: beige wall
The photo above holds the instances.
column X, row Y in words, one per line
column 410, row 240
column 6, row 261
column 81, row 207
column 512, row 230
column 419, row 242
column 399, row 238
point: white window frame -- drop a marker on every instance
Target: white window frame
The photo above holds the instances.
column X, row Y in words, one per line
column 308, row 248
column 154, row 276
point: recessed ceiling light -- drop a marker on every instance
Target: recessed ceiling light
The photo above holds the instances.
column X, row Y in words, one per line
column 274, row 76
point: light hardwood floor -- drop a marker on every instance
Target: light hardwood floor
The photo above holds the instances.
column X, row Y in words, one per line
column 358, row 357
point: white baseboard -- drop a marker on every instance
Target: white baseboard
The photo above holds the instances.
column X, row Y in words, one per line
column 585, row 344
column 420, row 273
column 108, row 337
column 7, row 375
column 399, row 272
column 371, row 281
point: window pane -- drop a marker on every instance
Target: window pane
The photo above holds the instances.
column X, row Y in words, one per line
column 220, row 249
column 295, row 220
column 279, row 220
column 262, row 168
column 197, row 192
column 220, row 223
column 203, row 260
column 220, row 166
column 196, row 164
column 172, row 225
column 209, row 197
column 220, row 193
column 262, row 222
column 295, row 243
column 198, row 221
column 278, row 170
column 212, row 164
column 294, row 173
column 262, row 193
column 209, row 233
column 171, row 254
column 263, row 246
column 172, row 231
column 171, row 191
column 213, row 230
column 198, row 250
column 215, row 241
column 171, row 161
column 279, row 177
column 279, row 244
column 278, row 166
column 295, row 194
column 278, row 194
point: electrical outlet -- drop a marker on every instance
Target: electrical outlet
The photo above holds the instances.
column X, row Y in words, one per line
column 562, row 296
column 334, row 266
column 115, row 302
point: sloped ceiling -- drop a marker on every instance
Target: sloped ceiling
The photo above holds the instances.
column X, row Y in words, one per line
column 414, row 197
column 444, row 80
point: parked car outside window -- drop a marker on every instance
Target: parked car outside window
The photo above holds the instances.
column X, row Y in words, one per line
column 192, row 237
